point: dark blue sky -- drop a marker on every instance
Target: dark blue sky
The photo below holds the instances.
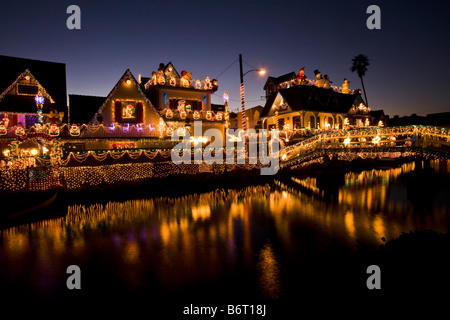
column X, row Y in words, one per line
column 409, row 70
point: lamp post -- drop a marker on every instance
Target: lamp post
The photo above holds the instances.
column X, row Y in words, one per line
column 39, row 99
column 227, row 116
column 261, row 71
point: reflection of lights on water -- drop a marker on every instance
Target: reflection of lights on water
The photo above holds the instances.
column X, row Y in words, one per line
column 269, row 272
column 378, row 227
column 131, row 252
column 201, row 212
column 369, row 176
column 237, row 210
column 350, row 224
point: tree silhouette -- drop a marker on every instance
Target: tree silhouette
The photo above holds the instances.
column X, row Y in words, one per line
column 360, row 64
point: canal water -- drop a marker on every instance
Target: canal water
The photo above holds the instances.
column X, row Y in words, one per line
column 295, row 241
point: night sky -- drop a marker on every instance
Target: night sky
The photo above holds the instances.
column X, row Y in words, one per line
column 409, row 69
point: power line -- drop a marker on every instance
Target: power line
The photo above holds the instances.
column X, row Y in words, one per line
column 217, row 77
column 248, row 64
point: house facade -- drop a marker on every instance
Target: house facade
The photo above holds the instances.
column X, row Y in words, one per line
column 291, row 106
column 180, row 99
column 32, row 91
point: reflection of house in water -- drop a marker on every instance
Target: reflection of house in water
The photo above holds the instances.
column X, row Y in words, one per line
column 290, row 105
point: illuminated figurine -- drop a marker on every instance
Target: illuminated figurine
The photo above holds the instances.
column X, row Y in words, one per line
column 20, row 131
column 3, row 129
column 6, row 120
column 327, row 82
column 54, row 130
column 185, row 79
column 38, row 128
column 196, row 115
column 128, row 112
column 182, row 109
column 209, row 115
column 345, row 88
column 198, row 84
column 172, row 81
column 181, row 132
column 319, row 81
column 74, row 130
column 214, row 84
column 301, row 77
column 181, row 105
column 154, row 74
column 169, row 113
column 53, row 116
column 208, row 85
column 161, row 77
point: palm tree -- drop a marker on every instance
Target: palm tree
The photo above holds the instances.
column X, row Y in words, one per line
column 360, row 64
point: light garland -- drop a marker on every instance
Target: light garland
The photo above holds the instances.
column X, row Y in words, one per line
column 393, row 143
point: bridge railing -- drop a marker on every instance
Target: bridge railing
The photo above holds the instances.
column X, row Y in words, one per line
column 374, row 137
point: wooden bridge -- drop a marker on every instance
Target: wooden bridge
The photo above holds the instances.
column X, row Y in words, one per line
column 373, row 143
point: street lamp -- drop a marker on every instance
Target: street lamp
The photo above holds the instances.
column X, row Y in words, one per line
column 260, row 71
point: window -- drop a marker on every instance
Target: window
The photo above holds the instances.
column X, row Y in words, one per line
column 280, row 123
column 296, row 121
column 27, row 90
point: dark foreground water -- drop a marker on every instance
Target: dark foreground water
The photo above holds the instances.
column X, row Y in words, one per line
column 287, row 247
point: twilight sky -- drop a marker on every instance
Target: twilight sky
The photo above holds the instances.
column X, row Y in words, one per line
column 409, row 57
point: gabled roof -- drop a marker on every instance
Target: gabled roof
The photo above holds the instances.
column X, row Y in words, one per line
column 126, row 75
column 23, row 103
column 280, row 79
column 51, row 75
column 83, row 108
column 172, row 72
column 303, row 97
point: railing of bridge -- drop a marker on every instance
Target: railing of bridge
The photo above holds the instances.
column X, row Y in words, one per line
column 374, row 137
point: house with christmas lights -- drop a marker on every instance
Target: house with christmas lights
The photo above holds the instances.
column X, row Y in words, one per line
column 180, row 99
column 31, row 91
column 293, row 102
column 143, row 113
column 126, row 105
